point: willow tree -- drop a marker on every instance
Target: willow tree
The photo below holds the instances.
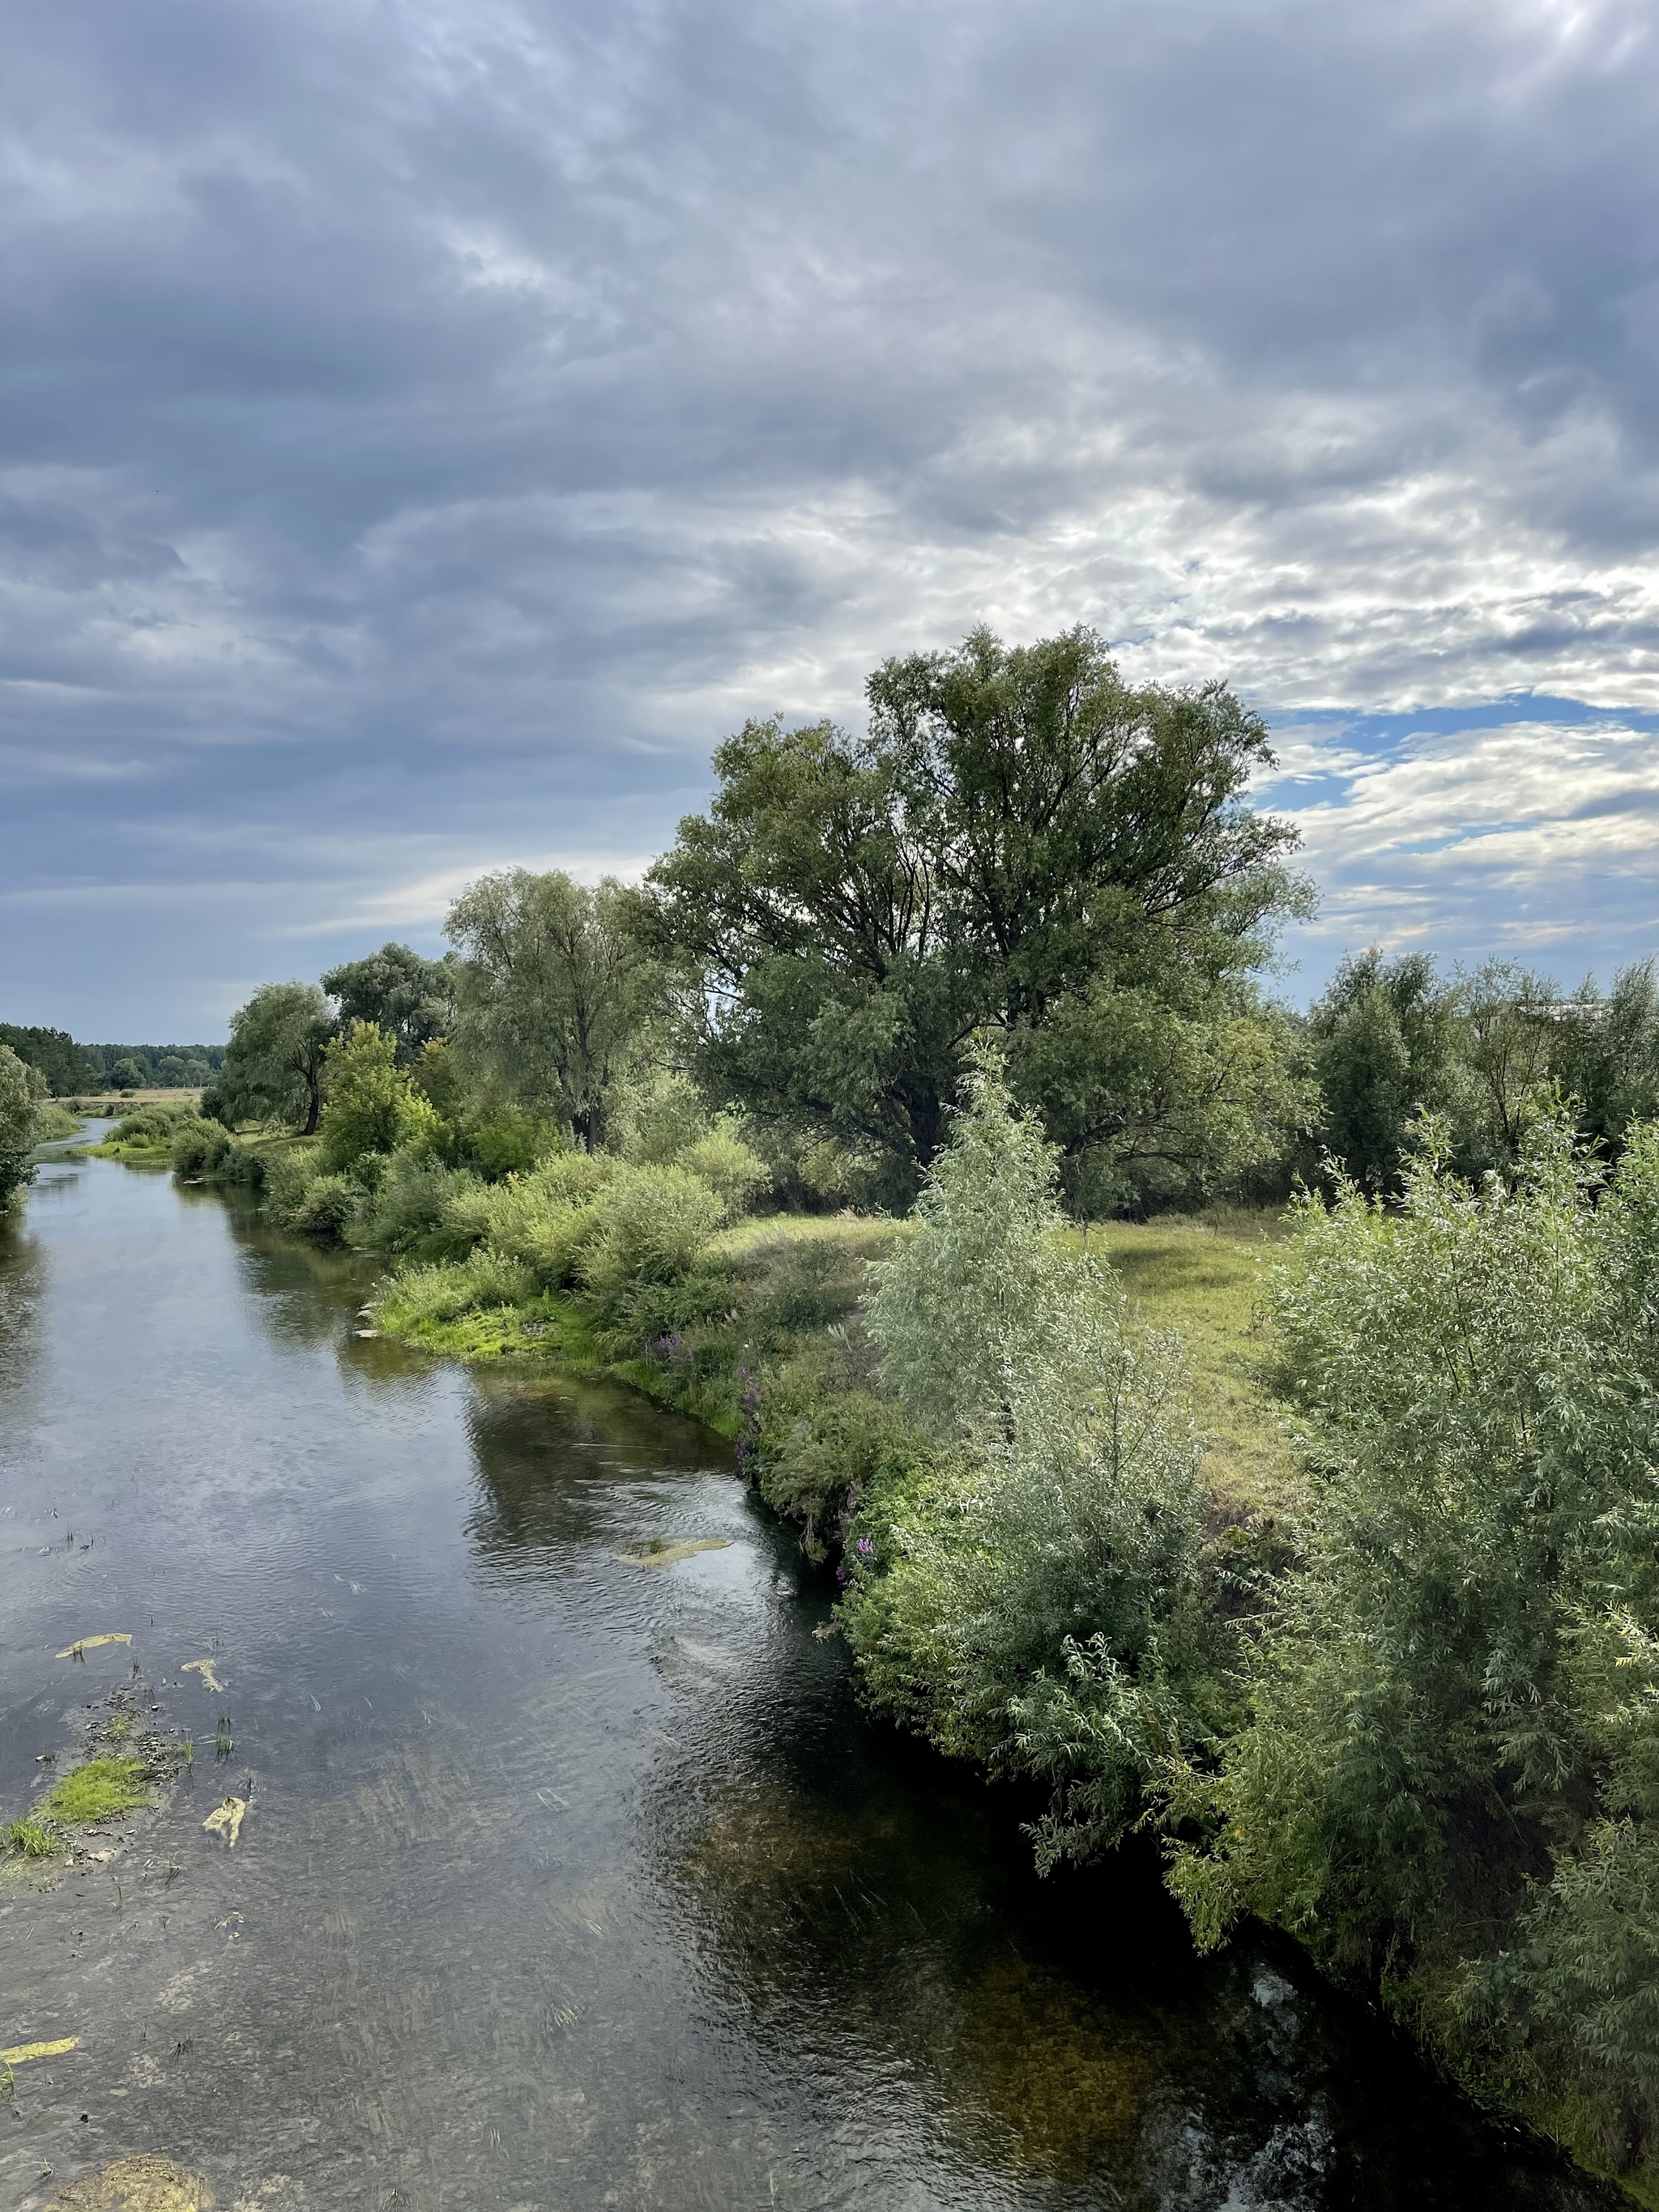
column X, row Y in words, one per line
column 555, row 991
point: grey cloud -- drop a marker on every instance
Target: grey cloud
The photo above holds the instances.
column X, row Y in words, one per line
column 463, row 415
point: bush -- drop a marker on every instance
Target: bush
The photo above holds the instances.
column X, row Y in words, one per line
column 202, row 1148
column 288, row 1176
column 444, row 1292
column 23, row 1093
column 154, row 1126
column 1036, row 1610
column 371, row 1105
column 327, row 1207
column 973, row 1296
column 410, row 1204
column 511, row 1144
column 651, row 1223
column 820, row 1452
column 1450, row 1774
column 542, row 1219
column 727, row 1166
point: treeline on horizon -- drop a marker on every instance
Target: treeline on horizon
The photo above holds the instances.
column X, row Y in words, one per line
column 70, row 1068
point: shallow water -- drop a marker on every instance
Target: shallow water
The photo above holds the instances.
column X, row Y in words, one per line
column 564, row 1881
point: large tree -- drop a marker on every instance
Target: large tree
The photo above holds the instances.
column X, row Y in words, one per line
column 273, row 1065
column 412, row 999
column 1388, row 1043
column 555, row 989
column 1019, row 831
column 23, row 1093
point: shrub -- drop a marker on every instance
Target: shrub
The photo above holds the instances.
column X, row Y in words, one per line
column 200, row 1148
column 820, row 1452
column 727, row 1166
column 326, row 1207
column 651, row 1225
column 973, row 1296
column 23, row 1093
column 155, row 1126
column 410, row 1205
column 1037, row 1611
column 1449, row 1773
column 542, row 1219
column 288, row 1176
column 511, row 1144
column 444, row 1292
column 371, row 1105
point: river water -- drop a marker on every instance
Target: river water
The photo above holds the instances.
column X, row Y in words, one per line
column 565, row 1882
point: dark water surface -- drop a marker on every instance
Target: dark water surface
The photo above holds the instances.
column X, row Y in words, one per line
column 565, row 1882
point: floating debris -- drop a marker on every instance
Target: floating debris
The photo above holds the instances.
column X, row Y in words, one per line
column 20, row 2053
column 138, row 2185
column 83, row 1645
column 203, row 1668
column 365, row 1332
column 658, row 1554
column 226, row 1819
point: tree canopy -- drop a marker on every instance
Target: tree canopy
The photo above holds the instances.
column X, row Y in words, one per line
column 412, row 999
column 555, row 991
column 1018, row 831
column 23, row 1092
column 274, row 1062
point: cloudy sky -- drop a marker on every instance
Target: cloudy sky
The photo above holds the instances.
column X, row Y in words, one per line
column 428, row 428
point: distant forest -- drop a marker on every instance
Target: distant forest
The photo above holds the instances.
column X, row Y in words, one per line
column 70, row 1067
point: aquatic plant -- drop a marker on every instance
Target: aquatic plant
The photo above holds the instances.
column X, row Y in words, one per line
column 95, row 1790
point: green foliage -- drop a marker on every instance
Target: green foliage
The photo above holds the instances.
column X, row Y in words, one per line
column 1032, row 1601
column 412, row 999
column 326, row 1208
column 555, row 991
column 95, row 1790
column 66, row 1066
column 442, row 1292
column 53, row 1123
column 201, row 1147
column 1165, row 1094
column 408, row 1208
column 31, row 1839
column 1020, row 829
column 372, row 1105
column 1387, row 1045
column 651, row 1225
column 273, row 1065
column 1450, row 1774
column 822, row 1452
column 960, row 1309
column 154, row 1128
column 510, row 1142
column 23, row 1094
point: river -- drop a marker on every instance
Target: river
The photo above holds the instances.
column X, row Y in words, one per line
column 565, row 1881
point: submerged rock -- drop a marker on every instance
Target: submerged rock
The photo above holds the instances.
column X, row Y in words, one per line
column 138, row 2184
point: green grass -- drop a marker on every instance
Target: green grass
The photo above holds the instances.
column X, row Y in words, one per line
column 94, row 1791
column 1204, row 1277
column 33, row 1839
column 558, row 1331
